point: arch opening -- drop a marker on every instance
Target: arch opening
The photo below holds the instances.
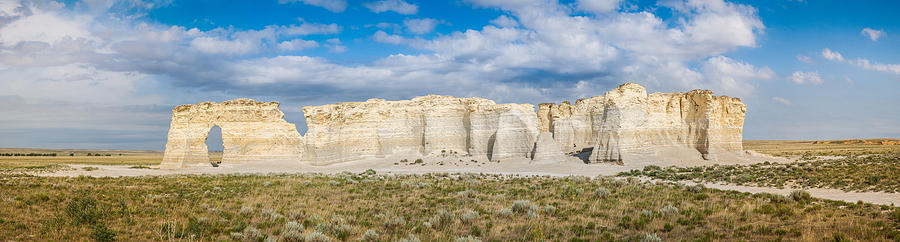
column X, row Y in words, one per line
column 214, row 145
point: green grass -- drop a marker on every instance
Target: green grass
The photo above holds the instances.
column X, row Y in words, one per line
column 869, row 173
column 434, row 207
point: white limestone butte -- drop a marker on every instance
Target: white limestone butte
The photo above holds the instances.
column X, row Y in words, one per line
column 251, row 132
column 623, row 125
column 516, row 133
column 429, row 126
column 627, row 123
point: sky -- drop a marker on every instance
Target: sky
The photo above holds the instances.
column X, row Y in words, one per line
column 105, row 74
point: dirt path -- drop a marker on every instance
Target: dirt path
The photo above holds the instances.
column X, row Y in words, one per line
column 881, row 198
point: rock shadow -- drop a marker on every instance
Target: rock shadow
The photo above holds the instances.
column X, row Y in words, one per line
column 584, row 155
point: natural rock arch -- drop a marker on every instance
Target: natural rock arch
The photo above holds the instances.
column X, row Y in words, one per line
column 214, row 140
column 251, row 132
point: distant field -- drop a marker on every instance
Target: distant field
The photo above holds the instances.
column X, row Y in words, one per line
column 74, row 156
column 793, row 148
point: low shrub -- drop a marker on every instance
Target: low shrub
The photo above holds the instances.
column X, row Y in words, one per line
column 468, row 216
column 410, row 238
column 316, row 236
column 651, row 238
column 102, row 233
column 84, row 209
column 800, row 196
column 522, row 206
column 369, row 235
column 252, row 234
column 669, row 210
column 467, row 239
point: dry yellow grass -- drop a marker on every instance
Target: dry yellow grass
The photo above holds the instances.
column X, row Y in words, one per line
column 793, row 148
column 434, row 207
column 439, row 207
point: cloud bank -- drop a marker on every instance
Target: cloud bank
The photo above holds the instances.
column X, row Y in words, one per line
column 118, row 65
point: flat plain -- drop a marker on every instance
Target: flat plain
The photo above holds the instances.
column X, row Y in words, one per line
column 442, row 206
column 800, row 148
column 77, row 156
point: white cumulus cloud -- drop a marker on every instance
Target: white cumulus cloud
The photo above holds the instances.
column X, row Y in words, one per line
column 800, row 77
column 873, row 34
column 398, row 6
column 297, row 44
column 870, row 65
column 381, row 36
column 505, row 21
column 598, row 6
column 36, row 27
column 212, row 45
column 336, row 6
column 337, row 48
column 832, row 55
column 732, row 76
column 862, row 62
column 310, row 28
column 420, row 26
column 781, row 100
column 805, row 59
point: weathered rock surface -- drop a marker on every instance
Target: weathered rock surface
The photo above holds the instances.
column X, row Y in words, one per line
column 546, row 150
column 624, row 124
column 428, row 126
column 251, row 132
column 628, row 122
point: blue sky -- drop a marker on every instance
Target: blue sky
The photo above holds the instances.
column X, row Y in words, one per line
column 105, row 74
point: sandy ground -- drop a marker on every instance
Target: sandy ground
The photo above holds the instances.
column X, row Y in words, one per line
column 881, row 198
column 523, row 167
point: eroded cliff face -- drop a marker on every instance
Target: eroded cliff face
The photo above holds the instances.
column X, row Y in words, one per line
column 429, row 126
column 624, row 124
column 627, row 122
column 546, row 150
column 251, row 132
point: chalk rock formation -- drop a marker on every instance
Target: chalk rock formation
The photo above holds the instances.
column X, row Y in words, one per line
column 251, row 132
column 429, row 126
column 574, row 127
column 628, row 122
column 624, row 124
column 546, row 150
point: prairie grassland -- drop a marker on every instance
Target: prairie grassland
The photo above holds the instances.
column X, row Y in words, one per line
column 800, row 148
column 432, row 207
column 106, row 157
column 853, row 165
column 869, row 173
